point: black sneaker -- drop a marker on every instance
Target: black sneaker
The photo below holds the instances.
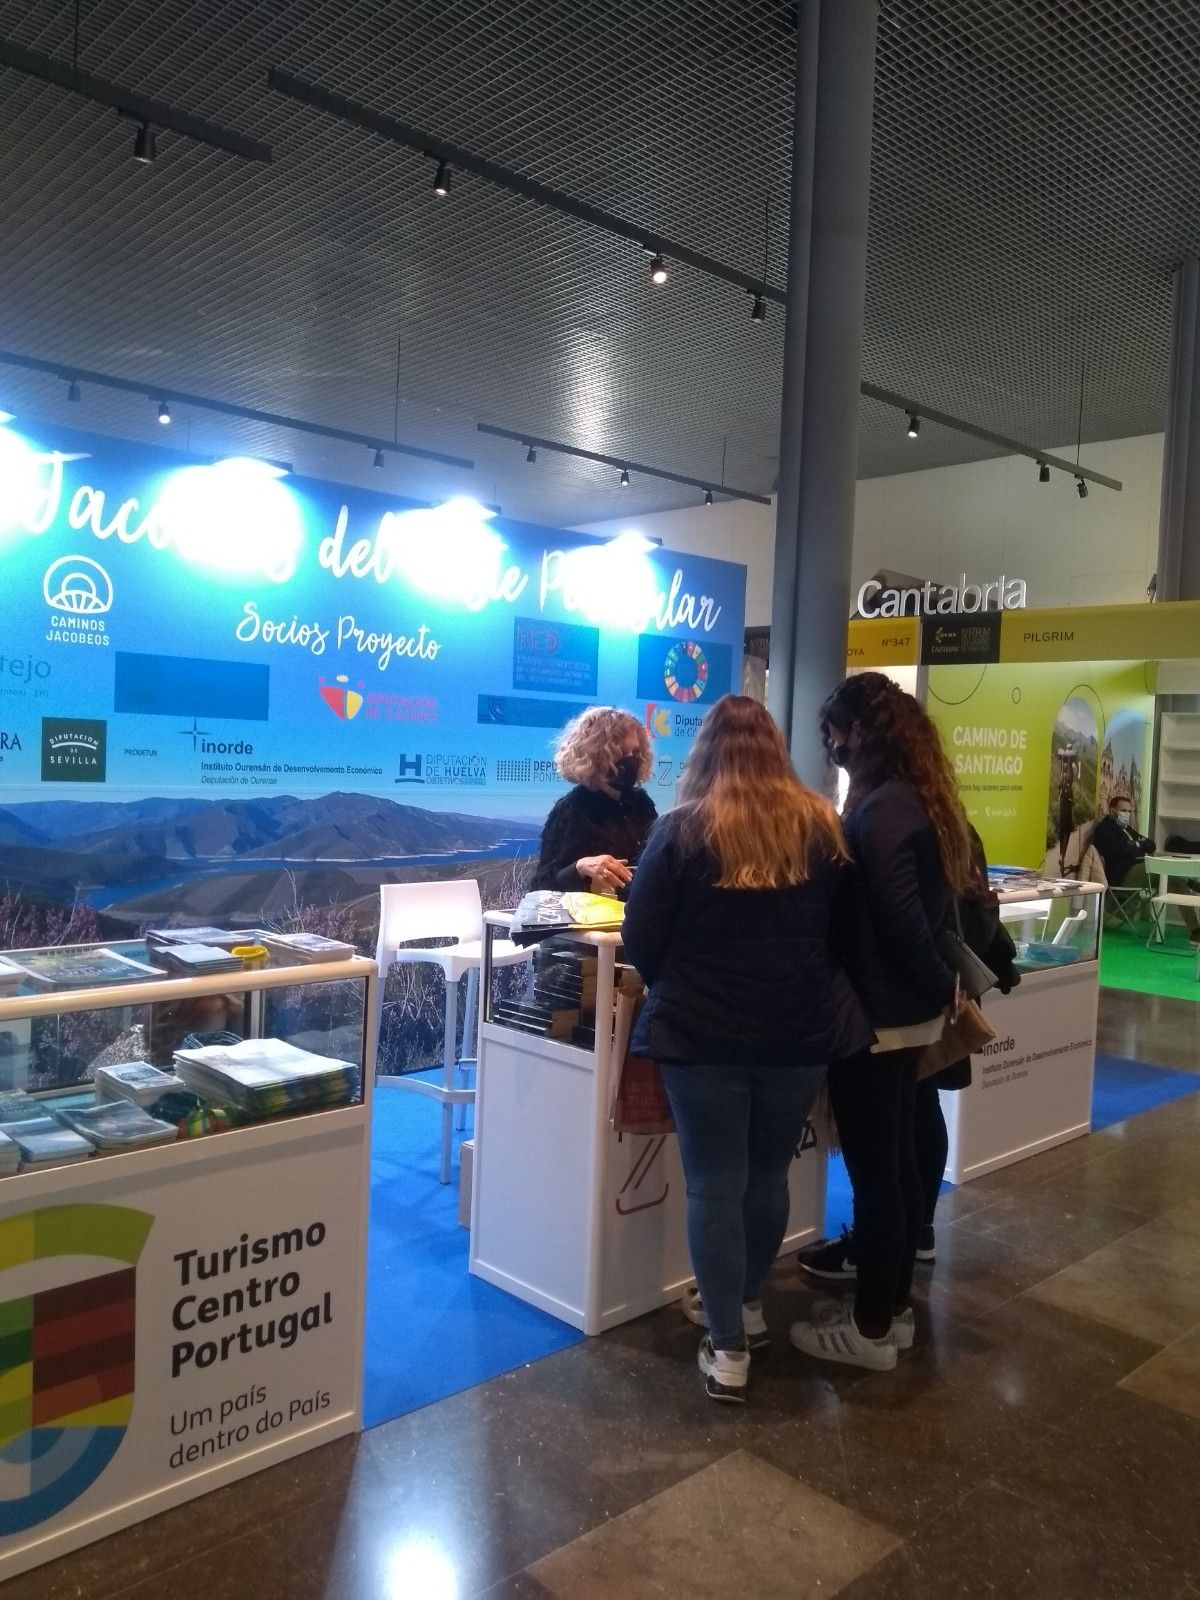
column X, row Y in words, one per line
column 925, row 1246
column 832, row 1260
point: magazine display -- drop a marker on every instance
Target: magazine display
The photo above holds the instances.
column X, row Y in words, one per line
column 116, row 1125
column 266, row 1077
column 44, row 1142
column 86, row 969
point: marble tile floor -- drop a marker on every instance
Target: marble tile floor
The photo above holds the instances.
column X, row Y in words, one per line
column 1044, row 1433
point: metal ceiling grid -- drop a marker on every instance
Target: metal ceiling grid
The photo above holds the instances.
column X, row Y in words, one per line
column 1036, row 175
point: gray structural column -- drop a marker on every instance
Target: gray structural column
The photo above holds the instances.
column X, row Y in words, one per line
column 818, row 448
column 1179, row 513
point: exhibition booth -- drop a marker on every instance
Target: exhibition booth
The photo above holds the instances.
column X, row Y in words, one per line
column 236, row 702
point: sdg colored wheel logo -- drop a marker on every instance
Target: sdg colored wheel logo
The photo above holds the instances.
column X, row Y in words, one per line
column 685, row 671
column 66, row 1353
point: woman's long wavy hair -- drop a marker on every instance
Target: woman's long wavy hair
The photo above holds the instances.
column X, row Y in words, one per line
column 899, row 740
column 589, row 746
column 740, row 797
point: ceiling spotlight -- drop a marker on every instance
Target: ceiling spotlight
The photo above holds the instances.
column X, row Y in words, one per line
column 531, row 455
column 758, row 312
column 625, row 478
column 144, row 149
column 164, row 413
column 378, row 459
column 914, row 425
column 73, row 393
column 1043, row 472
column 441, row 183
column 1081, row 488
column 658, row 270
column 708, row 497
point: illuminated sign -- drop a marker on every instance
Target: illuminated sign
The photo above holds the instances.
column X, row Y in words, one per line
column 936, row 600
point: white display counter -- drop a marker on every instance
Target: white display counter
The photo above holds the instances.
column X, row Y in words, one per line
column 566, row 1214
column 175, row 1318
column 1032, row 1087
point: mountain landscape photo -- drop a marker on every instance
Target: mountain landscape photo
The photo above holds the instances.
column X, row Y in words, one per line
column 189, row 859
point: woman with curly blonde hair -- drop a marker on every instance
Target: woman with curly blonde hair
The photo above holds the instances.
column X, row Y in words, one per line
column 911, row 844
column 595, row 833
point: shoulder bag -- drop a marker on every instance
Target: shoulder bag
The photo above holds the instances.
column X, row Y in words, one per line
column 975, row 976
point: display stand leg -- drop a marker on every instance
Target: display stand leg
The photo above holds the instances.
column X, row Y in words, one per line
column 467, row 1061
column 448, row 1070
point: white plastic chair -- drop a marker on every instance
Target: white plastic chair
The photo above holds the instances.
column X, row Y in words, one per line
column 453, row 909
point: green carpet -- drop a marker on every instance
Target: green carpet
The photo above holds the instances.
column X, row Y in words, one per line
column 1125, row 963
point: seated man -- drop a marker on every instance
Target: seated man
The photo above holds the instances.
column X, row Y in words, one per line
column 1124, row 850
column 1121, row 847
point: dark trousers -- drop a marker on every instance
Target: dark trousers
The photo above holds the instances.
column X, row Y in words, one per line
column 739, row 1128
column 874, row 1102
column 932, row 1144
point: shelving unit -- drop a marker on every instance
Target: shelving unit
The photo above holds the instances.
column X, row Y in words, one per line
column 1177, row 793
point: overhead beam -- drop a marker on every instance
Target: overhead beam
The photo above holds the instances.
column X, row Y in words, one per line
column 648, row 239
column 129, row 102
column 152, row 392
column 622, row 463
column 427, row 144
column 1014, row 447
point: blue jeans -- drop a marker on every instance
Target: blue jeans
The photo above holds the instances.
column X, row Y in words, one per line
column 739, row 1128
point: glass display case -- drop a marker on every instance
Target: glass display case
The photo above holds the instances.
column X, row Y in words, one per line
column 166, row 1137
column 269, row 1034
column 1054, row 922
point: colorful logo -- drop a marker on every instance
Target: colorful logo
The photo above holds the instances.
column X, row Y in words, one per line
column 77, row 585
column 345, row 703
column 66, row 1354
column 685, row 671
column 658, row 721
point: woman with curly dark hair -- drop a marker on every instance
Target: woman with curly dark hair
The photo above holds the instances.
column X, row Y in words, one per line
column 911, row 843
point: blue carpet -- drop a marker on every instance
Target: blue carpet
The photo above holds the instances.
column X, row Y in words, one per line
column 1125, row 1088
column 432, row 1329
column 1121, row 1088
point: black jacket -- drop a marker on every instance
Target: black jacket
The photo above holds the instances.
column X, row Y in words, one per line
column 587, row 822
column 902, row 903
column 1119, row 848
column 737, row 976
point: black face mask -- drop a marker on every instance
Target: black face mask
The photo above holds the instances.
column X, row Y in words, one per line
column 840, row 754
column 625, row 774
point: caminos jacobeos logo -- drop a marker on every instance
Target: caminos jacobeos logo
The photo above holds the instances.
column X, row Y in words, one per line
column 66, row 1353
column 344, row 702
column 78, row 592
column 74, row 750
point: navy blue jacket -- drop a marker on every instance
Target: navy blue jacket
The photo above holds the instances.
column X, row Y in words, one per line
column 737, row 976
column 902, row 903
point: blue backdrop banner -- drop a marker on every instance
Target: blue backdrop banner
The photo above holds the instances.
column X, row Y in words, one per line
column 221, row 683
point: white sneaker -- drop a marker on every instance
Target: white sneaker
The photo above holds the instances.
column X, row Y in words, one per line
column 840, row 1340
column 726, row 1372
column 904, row 1329
column 757, row 1337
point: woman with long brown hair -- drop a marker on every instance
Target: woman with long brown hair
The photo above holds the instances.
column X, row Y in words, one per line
column 911, row 844
column 729, row 921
